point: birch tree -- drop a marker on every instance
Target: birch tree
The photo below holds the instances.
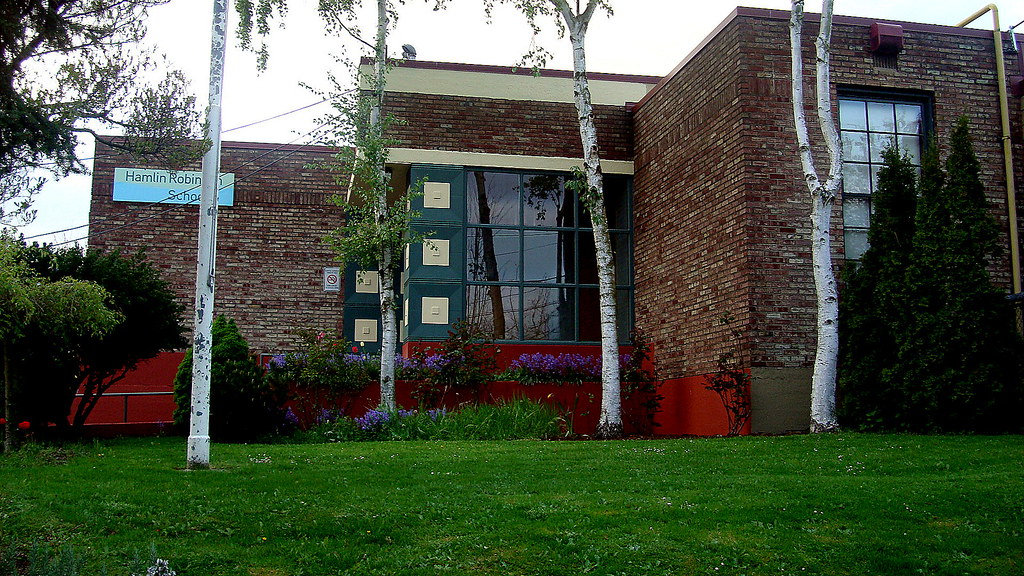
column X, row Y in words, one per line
column 576, row 20
column 823, row 196
column 376, row 229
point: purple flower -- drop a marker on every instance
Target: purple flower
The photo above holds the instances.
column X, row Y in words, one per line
column 373, row 419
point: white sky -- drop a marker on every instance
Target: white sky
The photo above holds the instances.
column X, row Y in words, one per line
column 643, row 37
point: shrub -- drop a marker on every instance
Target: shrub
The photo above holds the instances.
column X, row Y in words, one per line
column 464, row 360
column 731, row 383
column 326, row 372
column 507, row 420
column 244, row 405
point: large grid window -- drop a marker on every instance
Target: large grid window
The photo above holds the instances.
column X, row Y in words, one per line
column 531, row 269
column 868, row 125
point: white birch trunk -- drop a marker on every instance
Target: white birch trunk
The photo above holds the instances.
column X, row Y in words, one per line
column 198, row 448
column 823, row 195
column 388, row 315
column 609, row 424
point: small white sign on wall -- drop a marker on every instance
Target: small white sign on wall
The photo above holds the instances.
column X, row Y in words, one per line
column 332, row 279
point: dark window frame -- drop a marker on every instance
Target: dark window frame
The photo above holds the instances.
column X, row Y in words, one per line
column 581, row 231
column 925, row 100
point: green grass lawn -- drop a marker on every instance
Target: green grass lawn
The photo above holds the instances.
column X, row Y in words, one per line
column 833, row 504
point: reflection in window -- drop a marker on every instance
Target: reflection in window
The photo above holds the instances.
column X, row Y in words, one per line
column 492, row 255
column 531, row 271
column 548, row 313
column 494, row 309
column 549, row 256
column 868, row 126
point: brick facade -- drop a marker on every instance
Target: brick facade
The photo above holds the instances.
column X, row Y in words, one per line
column 722, row 213
column 496, row 126
column 269, row 255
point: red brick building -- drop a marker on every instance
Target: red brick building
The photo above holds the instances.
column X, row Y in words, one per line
column 709, row 212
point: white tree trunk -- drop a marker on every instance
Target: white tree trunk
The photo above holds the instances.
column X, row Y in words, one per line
column 609, row 424
column 385, row 264
column 198, row 449
column 823, row 195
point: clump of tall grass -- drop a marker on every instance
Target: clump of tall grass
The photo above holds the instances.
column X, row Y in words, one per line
column 515, row 419
column 38, row 560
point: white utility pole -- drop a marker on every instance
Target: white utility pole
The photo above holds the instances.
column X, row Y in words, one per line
column 202, row 343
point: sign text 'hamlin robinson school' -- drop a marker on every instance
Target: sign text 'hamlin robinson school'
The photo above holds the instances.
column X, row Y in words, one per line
column 168, row 186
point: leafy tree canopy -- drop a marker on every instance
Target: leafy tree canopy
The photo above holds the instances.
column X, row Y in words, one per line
column 151, row 314
column 73, row 66
column 44, row 325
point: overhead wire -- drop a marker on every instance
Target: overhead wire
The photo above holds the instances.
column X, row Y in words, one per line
column 171, row 207
column 249, row 125
column 174, row 206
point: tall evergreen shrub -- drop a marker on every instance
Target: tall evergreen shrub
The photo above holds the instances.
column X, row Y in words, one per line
column 872, row 309
column 244, row 405
column 959, row 356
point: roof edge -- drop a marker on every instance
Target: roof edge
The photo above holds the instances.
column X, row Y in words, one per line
column 517, row 71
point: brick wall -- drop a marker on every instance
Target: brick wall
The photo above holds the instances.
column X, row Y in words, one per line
column 721, row 210
column 690, row 212
column 269, row 254
column 495, row 126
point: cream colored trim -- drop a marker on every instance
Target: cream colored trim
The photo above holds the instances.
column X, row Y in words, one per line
column 510, row 86
column 477, row 159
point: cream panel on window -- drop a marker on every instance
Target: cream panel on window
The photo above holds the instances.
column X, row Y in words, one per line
column 435, row 252
column 366, row 330
column 437, row 195
column 435, row 310
column 367, row 282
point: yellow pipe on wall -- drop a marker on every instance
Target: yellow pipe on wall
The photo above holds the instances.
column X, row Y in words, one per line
column 1004, row 112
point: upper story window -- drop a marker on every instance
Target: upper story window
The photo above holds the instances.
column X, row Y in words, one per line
column 531, row 269
column 868, row 124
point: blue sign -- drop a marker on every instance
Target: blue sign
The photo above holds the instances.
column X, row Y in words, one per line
column 168, row 186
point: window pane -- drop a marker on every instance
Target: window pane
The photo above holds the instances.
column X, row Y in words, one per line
column 908, row 118
column 852, row 115
column 856, row 178
column 492, row 255
column 549, row 313
column 620, row 243
column 616, row 202
column 590, row 315
column 494, row 310
column 912, row 146
column 546, row 202
column 492, row 198
column 880, row 117
column 880, row 142
column 624, row 305
column 856, row 213
column 856, row 243
column 549, row 256
column 587, row 258
column 855, row 147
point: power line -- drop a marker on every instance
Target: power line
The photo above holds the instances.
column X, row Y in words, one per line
column 170, row 208
column 250, row 161
column 281, row 115
column 249, row 125
column 161, row 201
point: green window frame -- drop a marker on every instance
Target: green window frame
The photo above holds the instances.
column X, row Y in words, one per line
column 530, row 263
